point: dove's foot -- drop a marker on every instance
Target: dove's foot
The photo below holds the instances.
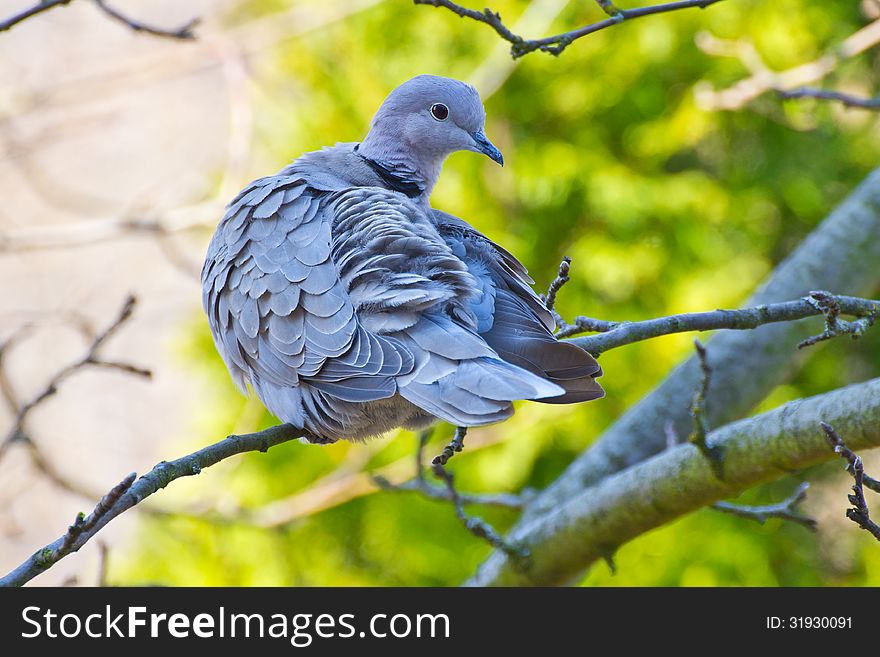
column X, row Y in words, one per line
column 455, row 445
column 313, row 439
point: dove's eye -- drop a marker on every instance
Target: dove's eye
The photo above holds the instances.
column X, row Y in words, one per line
column 439, row 111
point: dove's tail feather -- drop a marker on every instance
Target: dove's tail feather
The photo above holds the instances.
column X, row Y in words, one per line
column 519, row 338
column 479, row 391
column 577, row 376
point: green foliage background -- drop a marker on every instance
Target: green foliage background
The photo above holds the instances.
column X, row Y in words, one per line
column 664, row 207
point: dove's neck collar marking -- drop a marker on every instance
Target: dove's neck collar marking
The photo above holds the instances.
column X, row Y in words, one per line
column 396, row 177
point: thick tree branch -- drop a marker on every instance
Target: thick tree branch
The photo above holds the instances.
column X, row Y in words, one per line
column 557, row 43
column 600, row 518
column 133, row 492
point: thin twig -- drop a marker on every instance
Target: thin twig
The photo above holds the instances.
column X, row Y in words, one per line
column 859, row 513
column 18, row 433
column 184, row 32
column 503, row 500
column 91, row 358
column 477, row 526
column 81, row 528
column 618, row 334
column 840, row 448
column 786, row 509
column 701, row 426
column 557, row 43
column 562, row 277
column 103, row 564
column 762, row 79
column 847, row 100
column 38, row 8
column 698, row 413
column 829, row 306
column 132, row 492
column 420, row 484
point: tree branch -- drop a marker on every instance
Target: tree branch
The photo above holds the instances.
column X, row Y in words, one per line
column 847, row 100
column 184, row 32
column 859, row 514
column 557, row 43
column 600, row 518
column 132, row 492
column 618, row 334
column 419, row 484
column 835, row 256
column 39, row 8
column 785, row 510
column 91, row 358
column 762, row 79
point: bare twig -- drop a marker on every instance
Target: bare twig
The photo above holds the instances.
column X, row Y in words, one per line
column 829, row 306
column 762, row 79
column 618, row 334
column 847, row 100
column 504, row 500
column 184, row 32
column 103, row 564
column 455, row 445
column 132, row 492
column 420, row 484
column 562, row 277
column 698, row 414
column 557, row 43
column 840, row 448
column 477, row 526
column 701, row 427
column 859, row 513
column 786, row 509
column 18, row 433
column 81, row 528
column 91, row 358
column 38, row 8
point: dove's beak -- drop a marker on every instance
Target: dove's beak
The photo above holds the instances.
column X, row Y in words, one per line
column 486, row 147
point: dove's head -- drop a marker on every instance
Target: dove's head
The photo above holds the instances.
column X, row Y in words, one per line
column 423, row 121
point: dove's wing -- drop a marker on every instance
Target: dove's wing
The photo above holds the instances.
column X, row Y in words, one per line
column 512, row 318
column 407, row 284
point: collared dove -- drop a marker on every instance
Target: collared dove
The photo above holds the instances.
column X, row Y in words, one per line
column 352, row 307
